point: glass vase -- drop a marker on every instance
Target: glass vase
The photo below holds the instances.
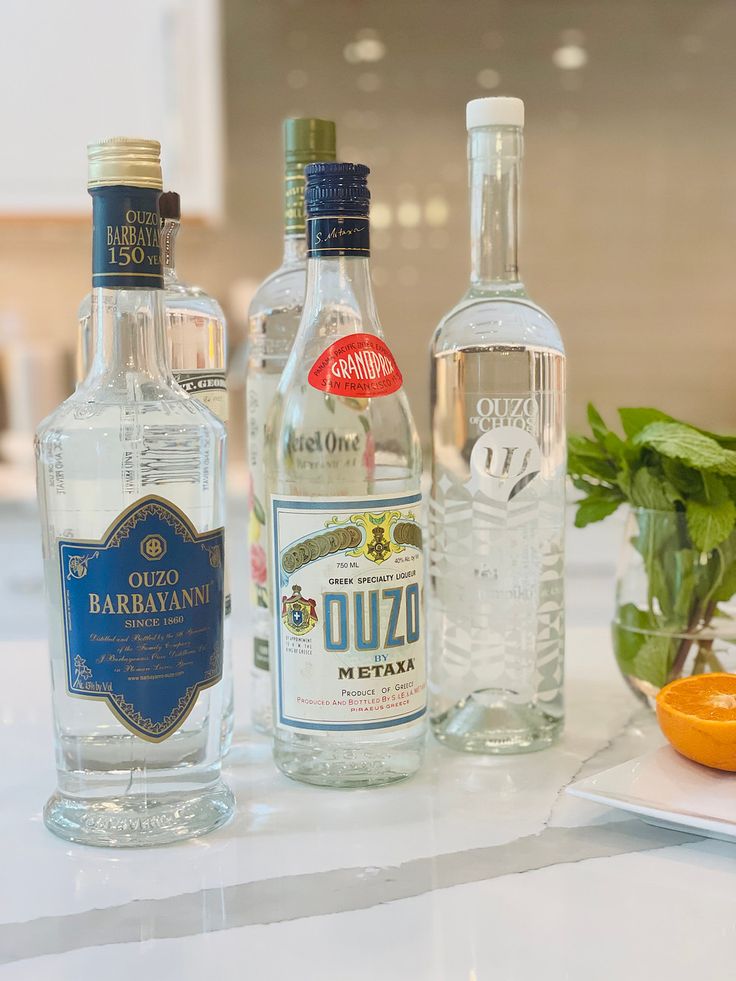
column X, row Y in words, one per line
column 675, row 606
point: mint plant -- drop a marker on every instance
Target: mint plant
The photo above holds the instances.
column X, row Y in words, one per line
column 684, row 480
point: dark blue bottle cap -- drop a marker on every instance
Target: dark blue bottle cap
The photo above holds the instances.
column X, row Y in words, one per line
column 337, row 189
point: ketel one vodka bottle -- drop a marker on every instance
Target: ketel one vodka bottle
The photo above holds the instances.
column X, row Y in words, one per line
column 497, row 502
column 197, row 348
column 131, row 488
column 343, row 469
column 273, row 319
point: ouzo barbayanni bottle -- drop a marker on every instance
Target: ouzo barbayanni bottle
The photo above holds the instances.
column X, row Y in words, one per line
column 497, row 501
column 196, row 332
column 273, row 320
column 343, row 465
column 132, row 500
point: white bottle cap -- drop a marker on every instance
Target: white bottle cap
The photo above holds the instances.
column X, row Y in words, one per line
column 496, row 110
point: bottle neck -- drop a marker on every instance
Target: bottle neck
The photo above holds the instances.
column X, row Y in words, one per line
column 338, row 273
column 494, row 156
column 130, row 337
column 169, row 231
column 127, row 289
column 295, row 230
column 343, row 284
column 295, row 249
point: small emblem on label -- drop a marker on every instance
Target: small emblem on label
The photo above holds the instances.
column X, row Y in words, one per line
column 504, row 461
column 153, row 547
column 298, row 614
column 357, row 366
column 215, row 554
column 78, row 566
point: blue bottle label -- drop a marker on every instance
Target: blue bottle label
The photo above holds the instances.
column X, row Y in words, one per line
column 143, row 616
column 338, row 235
column 126, row 238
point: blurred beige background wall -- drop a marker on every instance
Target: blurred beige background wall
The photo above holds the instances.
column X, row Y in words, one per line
column 629, row 200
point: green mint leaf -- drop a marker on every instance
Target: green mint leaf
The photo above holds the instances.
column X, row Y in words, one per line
column 728, row 442
column 258, row 511
column 686, row 481
column 684, row 585
column 727, row 585
column 595, row 487
column 595, row 508
column 599, row 429
column 634, row 420
column 710, row 524
column 605, row 437
column 628, row 637
column 714, row 489
column 659, row 587
column 652, row 490
column 581, row 448
column 589, row 458
column 730, row 484
column 585, row 484
column 680, row 442
column 615, row 447
column 655, row 658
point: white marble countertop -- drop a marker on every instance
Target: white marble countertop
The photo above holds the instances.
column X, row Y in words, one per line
column 476, row 869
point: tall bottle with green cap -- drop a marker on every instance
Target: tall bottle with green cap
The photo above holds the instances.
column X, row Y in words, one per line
column 273, row 318
column 132, row 499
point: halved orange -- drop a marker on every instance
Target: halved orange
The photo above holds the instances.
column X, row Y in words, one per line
column 698, row 716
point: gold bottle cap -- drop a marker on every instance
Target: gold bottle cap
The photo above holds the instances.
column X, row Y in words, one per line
column 125, row 160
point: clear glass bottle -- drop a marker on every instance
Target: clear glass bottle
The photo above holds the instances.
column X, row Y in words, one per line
column 497, row 503
column 197, row 346
column 343, row 465
column 197, row 335
column 132, row 499
column 273, row 319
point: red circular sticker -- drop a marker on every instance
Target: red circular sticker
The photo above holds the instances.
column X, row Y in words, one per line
column 356, row 366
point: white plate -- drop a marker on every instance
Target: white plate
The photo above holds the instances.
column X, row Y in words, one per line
column 667, row 790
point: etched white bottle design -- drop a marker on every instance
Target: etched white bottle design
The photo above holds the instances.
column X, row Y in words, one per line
column 497, row 502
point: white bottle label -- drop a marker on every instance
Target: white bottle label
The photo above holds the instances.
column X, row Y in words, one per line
column 348, row 575
column 208, row 385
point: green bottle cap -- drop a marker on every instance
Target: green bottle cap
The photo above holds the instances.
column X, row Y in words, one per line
column 305, row 141
column 308, row 140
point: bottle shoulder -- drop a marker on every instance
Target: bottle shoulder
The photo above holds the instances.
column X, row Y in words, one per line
column 283, row 289
column 298, row 405
column 308, row 433
column 481, row 321
column 178, row 295
column 90, row 409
